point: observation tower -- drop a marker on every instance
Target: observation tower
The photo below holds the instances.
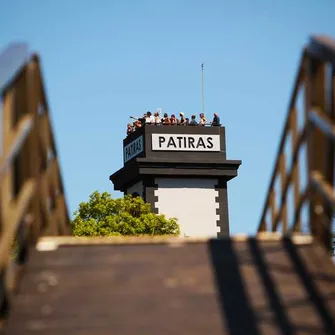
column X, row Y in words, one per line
column 182, row 172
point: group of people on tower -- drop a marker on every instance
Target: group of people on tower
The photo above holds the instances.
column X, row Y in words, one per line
column 167, row 120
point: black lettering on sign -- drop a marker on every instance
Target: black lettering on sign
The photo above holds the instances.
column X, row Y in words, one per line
column 210, row 142
column 133, row 149
column 201, row 143
column 161, row 140
column 181, row 142
column 191, row 142
column 171, row 142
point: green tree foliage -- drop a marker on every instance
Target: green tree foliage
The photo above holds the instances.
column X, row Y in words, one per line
column 104, row 216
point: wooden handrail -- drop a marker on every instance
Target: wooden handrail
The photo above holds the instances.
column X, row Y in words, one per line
column 25, row 180
column 323, row 122
column 283, row 139
column 319, row 183
column 318, row 130
column 23, row 129
column 16, row 212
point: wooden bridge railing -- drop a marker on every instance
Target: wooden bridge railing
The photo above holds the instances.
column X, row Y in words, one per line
column 32, row 199
column 301, row 195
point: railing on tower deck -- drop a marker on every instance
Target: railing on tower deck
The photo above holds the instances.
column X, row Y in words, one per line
column 32, row 199
column 304, row 200
column 176, row 125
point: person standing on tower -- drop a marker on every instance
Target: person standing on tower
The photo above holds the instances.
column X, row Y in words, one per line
column 193, row 121
column 166, row 120
column 173, row 120
column 202, row 121
column 130, row 128
column 182, row 119
column 216, row 120
column 149, row 119
column 157, row 118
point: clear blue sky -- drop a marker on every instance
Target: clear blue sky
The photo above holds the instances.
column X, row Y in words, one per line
column 104, row 60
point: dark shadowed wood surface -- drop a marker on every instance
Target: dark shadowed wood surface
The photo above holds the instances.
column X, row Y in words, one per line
column 230, row 286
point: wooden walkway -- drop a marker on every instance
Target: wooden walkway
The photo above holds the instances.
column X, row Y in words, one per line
column 246, row 286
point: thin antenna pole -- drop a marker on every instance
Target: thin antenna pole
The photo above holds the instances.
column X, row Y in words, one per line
column 203, row 88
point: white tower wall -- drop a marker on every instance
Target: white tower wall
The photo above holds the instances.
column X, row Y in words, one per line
column 193, row 201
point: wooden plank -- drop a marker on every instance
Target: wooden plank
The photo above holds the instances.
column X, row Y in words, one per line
column 123, row 288
column 219, row 286
column 53, row 242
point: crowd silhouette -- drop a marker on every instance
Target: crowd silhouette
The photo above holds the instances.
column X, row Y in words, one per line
column 166, row 120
